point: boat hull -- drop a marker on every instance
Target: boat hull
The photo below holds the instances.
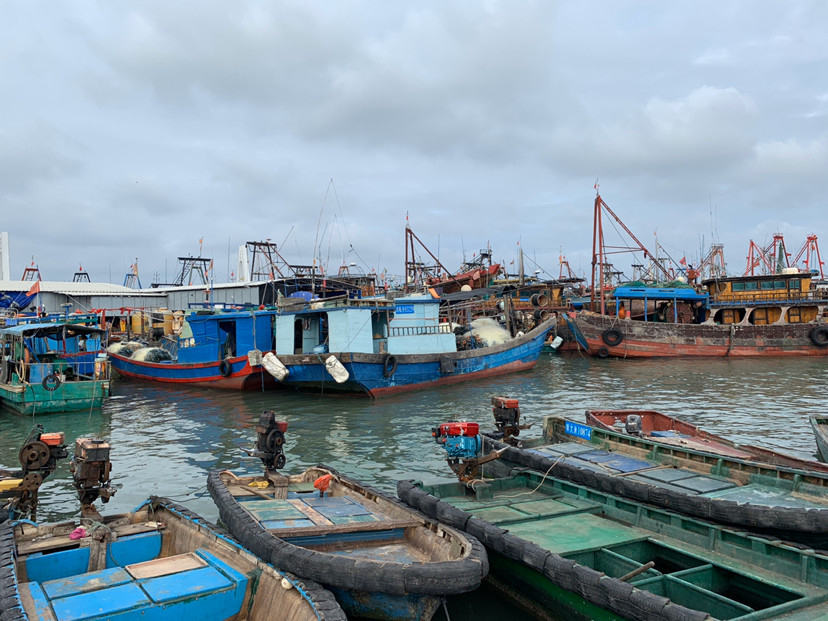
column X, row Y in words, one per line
column 381, row 560
column 820, row 427
column 379, row 375
column 69, row 396
column 647, row 339
column 240, row 376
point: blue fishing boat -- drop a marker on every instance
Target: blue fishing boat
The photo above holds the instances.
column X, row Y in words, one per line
column 380, row 559
column 160, row 561
column 53, row 365
column 214, row 349
column 379, row 347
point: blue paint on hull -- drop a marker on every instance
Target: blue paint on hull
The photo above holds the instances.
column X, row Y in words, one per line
column 367, row 371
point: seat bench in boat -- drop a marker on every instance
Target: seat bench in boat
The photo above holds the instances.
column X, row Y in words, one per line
column 192, row 585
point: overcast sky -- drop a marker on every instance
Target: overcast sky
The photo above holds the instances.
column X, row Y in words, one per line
column 132, row 130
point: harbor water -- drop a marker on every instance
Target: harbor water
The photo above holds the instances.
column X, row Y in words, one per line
column 165, row 440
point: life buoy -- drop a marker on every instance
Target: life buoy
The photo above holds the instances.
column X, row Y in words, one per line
column 225, row 368
column 603, row 352
column 51, row 382
column 389, row 365
column 612, row 337
column 819, row 336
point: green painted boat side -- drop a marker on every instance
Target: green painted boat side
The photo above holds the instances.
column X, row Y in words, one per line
column 700, row 567
column 29, row 399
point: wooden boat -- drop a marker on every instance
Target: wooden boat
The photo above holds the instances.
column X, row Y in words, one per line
column 53, row 366
column 776, row 315
column 575, row 552
column 669, row 431
column 160, row 561
column 819, row 424
column 380, row 559
column 379, row 347
column 783, row 502
column 213, row 350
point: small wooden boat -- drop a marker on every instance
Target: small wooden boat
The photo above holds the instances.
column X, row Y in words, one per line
column 53, row 366
column 379, row 558
column 575, row 552
column 669, row 431
column 160, row 562
column 819, row 424
column 783, row 502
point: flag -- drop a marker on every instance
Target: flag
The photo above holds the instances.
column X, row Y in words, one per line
column 35, row 288
column 683, row 261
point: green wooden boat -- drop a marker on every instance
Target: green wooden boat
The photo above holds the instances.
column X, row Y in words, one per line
column 575, row 552
column 780, row 501
column 53, row 366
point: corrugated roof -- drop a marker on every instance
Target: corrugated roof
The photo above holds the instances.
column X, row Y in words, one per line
column 73, row 288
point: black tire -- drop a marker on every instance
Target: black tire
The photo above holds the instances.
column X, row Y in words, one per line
column 612, row 337
column 603, row 352
column 389, row 365
column 225, row 368
column 51, row 382
column 819, row 336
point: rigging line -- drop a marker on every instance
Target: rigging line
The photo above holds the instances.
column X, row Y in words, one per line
column 319, row 221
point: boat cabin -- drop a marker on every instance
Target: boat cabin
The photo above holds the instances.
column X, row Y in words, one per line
column 764, row 300
column 33, row 351
column 661, row 304
column 216, row 335
column 369, row 326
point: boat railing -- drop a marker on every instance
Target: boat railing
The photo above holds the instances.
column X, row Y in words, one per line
column 442, row 328
column 769, row 297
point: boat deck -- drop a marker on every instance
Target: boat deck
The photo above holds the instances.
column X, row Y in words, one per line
column 307, row 519
column 665, row 476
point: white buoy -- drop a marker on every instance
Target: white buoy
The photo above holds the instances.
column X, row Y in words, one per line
column 336, row 369
column 274, row 366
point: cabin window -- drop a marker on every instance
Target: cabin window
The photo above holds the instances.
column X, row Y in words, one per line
column 751, row 285
column 779, row 284
column 794, row 285
column 738, row 286
column 766, row 285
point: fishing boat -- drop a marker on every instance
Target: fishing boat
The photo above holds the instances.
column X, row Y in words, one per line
column 53, row 366
column 379, row 347
column 777, row 314
column 819, row 424
column 670, row 431
column 788, row 503
column 568, row 551
column 160, row 561
column 740, row 316
column 214, row 349
column 380, row 559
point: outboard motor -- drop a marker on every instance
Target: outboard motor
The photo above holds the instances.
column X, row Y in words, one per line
column 270, row 441
column 633, row 425
column 507, row 419
column 38, row 459
column 91, row 470
column 462, row 443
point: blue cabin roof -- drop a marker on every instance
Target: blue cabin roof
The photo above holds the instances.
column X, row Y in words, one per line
column 659, row 293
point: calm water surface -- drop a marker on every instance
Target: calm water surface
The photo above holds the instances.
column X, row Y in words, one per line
column 164, row 440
